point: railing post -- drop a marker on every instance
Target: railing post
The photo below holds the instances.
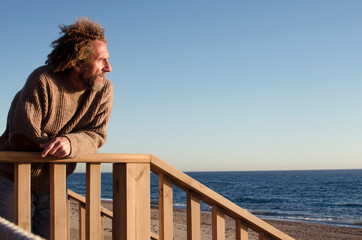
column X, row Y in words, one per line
column 68, row 218
column 241, row 229
column 102, row 227
column 22, row 195
column 81, row 221
column 218, row 223
column 193, row 216
column 261, row 236
column 93, row 201
column 165, row 207
column 58, row 201
column 131, row 201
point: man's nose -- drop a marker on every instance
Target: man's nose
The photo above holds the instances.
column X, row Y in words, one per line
column 107, row 67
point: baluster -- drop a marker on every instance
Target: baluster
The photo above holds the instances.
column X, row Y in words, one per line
column 68, row 218
column 241, row 229
column 131, row 201
column 58, row 201
column 93, row 201
column 22, row 195
column 193, row 216
column 165, row 207
column 261, row 236
column 218, row 223
column 81, row 221
column 102, row 227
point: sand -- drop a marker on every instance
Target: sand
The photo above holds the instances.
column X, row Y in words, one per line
column 297, row 230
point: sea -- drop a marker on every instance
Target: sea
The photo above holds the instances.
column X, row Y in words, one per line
column 321, row 196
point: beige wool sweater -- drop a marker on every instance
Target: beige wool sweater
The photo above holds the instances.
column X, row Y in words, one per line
column 49, row 106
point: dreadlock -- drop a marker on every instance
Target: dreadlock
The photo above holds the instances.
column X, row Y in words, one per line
column 74, row 45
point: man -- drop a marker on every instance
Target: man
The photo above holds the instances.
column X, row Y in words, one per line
column 62, row 110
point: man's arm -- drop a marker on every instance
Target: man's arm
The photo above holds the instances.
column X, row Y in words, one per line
column 25, row 116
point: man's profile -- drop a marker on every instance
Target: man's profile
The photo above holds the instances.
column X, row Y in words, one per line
column 62, row 110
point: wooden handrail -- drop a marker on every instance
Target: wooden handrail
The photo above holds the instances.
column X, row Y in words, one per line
column 212, row 198
column 34, row 157
column 131, row 202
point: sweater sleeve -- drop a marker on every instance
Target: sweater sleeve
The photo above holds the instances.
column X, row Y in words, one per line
column 27, row 111
column 90, row 138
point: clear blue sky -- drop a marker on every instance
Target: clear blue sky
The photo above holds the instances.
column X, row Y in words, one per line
column 214, row 85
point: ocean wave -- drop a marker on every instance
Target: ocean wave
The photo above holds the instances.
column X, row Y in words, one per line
column 307, row 218
column 246, row 200
column 107, row 199
column 179, row 205
column 351, row 205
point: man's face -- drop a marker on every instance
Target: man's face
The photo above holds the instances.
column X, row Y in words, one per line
column 93, row 71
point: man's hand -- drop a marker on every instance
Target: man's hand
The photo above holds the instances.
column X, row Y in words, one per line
column 59, row 147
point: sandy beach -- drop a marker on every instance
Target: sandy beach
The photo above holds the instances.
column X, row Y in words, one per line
column 297, row 230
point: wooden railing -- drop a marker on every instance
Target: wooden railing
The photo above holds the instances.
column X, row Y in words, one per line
column 131, row 199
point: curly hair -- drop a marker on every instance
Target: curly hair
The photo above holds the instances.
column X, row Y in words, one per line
column 75, row 45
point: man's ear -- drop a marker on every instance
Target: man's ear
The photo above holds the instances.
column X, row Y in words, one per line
column 76, row 67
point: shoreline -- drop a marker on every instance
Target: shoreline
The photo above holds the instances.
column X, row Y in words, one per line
column 266, row 218
column 333, row 224
column 296, row 229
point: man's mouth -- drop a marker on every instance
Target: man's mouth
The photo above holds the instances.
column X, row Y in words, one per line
column 102, row 76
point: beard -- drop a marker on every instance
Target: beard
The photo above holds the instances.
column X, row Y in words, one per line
column 90, row 80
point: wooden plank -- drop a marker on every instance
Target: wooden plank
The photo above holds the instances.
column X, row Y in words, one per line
column 165, row 207
column 76, row 196
column 218, row 223
column 81, row 221
column 119, row 222
column 93, row 201
column 9, row 156
column 58, row 201
column 131, row 201
column 261, row 236
column 241, row 229
column 193, row 216
column 22, row 196
column 102, row 228
column 68, row 219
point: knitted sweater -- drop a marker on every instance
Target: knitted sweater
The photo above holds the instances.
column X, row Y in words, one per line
column 49, row 106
